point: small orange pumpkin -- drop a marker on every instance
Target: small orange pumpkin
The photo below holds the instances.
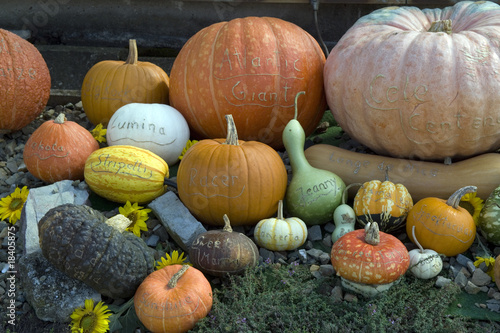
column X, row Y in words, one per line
column 386, row 203
column 442, row 225
column 58, row 149
column 110, row 84
column 24, row 82
column 243, row 179
column 173, row 299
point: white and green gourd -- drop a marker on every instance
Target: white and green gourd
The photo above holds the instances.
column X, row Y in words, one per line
column 344, row 216
column 313, row 194
column 424, row 264
column 489, row 218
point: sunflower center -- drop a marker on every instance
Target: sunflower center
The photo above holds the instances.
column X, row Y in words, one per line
column 16, row 204
column 133, row 216
column 468, row 206
column 88, row 322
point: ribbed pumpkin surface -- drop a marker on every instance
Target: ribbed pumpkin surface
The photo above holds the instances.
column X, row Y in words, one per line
column 121, row 173
column 24, row 82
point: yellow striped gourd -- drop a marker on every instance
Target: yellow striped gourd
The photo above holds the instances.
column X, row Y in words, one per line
column 121, row 173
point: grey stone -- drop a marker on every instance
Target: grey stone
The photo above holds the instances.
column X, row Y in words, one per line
column 480, row 278
column 337, row 294
column 303, row 255
column 463, row 260
column 324, row 258
column 51, row 293
column 315, row 253
column 326, row 270
column 471, row 288
column 177, row 219
column 267, row 256
column 40, row 201
column 329, row 227
column 441, row 281
column 152, row 240
column 314, row 233
column 461, row 280
column 471, row 267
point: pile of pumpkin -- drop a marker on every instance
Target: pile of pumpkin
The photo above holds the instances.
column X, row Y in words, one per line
column 418, row 87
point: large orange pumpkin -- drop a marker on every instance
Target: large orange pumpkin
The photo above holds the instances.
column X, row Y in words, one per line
column 406, row 86
column 24, row 82
column 243, row 179
column 110, row 84
column 173, row 299
column 251, row 68
column 58, row 150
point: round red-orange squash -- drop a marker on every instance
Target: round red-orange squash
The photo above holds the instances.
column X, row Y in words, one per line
column 369, row 256
column 243, row 179
column 24, row 82
column 419, row 83
column 58, row 150
column 110, row 84
column 173, row 299
column 251, row 68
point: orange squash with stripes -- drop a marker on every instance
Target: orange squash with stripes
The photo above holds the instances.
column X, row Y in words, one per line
column 121, row 173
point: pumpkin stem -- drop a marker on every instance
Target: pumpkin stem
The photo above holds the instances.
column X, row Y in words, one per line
column 232, row 134
column 296, row 104
column 372, row 233
column 346, row 190
column 227, row 224
column 175, row 278
column 454, row 199
column 415, row 240
column 441, row 26
column 132, row 52
column 280, row 210
column 60, row 119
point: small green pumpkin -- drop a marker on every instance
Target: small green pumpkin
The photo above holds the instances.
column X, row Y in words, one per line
column 489, row 218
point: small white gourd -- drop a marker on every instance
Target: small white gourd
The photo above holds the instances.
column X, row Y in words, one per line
column 424, row 264
column 344, row 216
column 280, row 234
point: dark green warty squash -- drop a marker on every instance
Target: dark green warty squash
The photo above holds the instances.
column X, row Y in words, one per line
column 78, row 241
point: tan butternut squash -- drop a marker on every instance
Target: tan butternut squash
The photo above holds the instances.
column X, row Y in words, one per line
column 422, row 179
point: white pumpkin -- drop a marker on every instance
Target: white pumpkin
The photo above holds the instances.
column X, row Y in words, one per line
column 158, row 128
column 280, row 234
column 424, row 264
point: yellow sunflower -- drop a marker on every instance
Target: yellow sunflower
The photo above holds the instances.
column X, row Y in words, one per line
column 89, row 319
column 137, row 215
column 490, row 263
column 99, row 133
column 473, row 205
column 175, row 259
column 189, row 144
column 11, row 205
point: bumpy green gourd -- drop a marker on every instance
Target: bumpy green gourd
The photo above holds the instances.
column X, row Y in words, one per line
column 78, row 241
column 313, row 194
column 489, row 218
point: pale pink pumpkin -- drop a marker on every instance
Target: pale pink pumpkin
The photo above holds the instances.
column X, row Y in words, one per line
column 407, row 92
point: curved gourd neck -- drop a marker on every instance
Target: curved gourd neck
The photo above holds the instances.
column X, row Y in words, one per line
column 294, row 138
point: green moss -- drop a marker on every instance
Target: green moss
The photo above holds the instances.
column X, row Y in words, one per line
column 276, row 298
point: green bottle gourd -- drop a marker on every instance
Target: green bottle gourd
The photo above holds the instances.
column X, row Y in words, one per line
column 313, row 194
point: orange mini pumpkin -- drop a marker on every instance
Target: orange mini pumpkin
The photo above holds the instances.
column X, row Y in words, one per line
column 442, row 225
column 58, row 149
column 243, row 179
column 173, row 299
column 110, row 84
column 24, row 82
